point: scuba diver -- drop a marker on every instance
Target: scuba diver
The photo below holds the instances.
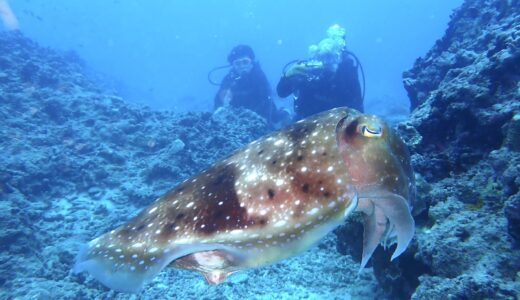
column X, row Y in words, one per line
column 245, row 85
column 328, row 80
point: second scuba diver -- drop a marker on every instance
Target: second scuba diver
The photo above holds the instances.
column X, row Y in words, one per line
column 328, row 80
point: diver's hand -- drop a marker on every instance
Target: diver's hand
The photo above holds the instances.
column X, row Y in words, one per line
column 296, row 69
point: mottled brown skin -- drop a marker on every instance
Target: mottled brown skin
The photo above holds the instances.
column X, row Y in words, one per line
column 268, row 201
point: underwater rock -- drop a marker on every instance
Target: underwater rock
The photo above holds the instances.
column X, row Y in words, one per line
column 176, row 146
column 399, row 280
column 506, row 167
column 467, row 81
column 162, row 170
column 14, row 231
column 409, row 134
column 348, row 237
column 512, row 133
column 112, row 157
column 463, row 287
column 512, row 212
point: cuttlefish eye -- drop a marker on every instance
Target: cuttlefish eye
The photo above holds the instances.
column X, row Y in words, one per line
column 371, row 131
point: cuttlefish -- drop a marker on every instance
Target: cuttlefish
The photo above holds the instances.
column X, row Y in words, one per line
column 272, row 199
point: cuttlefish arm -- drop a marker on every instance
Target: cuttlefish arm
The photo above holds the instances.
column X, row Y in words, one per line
column 388, row 213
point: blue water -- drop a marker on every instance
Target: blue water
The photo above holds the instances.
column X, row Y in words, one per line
column 158, row 52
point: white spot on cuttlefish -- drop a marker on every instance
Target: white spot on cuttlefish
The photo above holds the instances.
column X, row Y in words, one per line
column 313, row 211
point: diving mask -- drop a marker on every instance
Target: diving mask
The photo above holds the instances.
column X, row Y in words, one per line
column 242, row 65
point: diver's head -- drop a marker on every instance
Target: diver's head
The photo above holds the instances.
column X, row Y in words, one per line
column 241, row 59
column 329, row 50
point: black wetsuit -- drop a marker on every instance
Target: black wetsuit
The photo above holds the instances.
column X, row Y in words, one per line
column 251, row 91
column 325, row 91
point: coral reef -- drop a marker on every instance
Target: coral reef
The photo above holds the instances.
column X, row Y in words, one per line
column 465, row 90
column 463, row 134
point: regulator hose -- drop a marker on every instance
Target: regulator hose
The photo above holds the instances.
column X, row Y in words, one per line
column 210, row 74
column 360, row 67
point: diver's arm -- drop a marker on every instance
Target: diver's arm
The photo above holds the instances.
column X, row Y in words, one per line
column 261, row 93
column 292, row 78
column 223, row 90
column 217, row 100
column 285, row 87
column 263, row 85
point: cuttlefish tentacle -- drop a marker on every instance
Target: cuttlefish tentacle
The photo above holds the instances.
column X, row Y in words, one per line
column 396, row 209
column 389, row 214
column 374, row 228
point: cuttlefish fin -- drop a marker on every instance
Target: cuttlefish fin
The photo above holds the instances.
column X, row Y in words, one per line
column 386, row 206
column 215, row 265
